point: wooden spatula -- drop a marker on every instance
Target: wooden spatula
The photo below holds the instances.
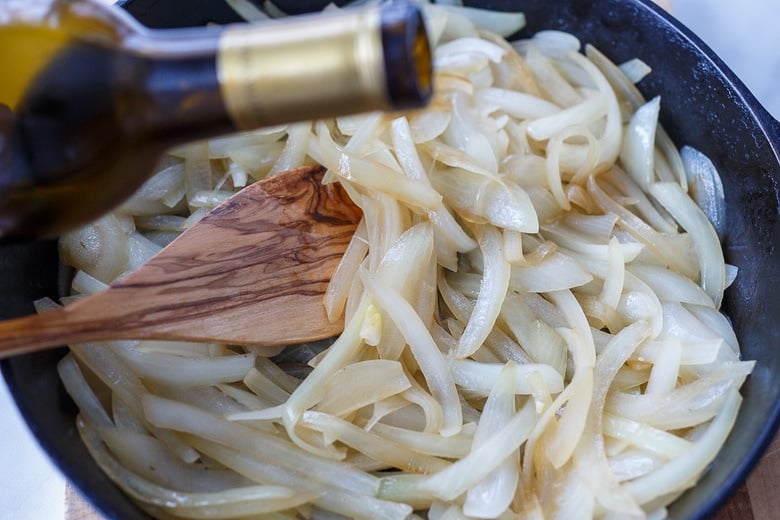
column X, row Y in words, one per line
column 252, row 272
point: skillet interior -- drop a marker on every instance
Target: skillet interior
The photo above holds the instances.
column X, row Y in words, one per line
column 703, row 105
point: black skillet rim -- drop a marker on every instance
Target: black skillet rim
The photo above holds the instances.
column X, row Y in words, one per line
column 115, row 505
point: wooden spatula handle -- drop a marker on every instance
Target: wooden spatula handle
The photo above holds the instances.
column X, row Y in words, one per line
column 34, row 332
column 265, row 257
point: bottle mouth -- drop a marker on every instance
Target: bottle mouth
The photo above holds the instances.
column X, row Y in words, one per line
column 407, row 52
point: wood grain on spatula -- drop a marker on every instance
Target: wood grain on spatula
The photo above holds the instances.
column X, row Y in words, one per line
column 252, row 272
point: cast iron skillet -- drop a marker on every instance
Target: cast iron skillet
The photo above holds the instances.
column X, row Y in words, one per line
column 703, row 105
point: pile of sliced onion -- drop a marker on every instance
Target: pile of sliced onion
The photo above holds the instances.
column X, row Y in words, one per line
column 531, row 308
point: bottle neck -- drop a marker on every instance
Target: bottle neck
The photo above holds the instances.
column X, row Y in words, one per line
column 176, row 95
column 93, row 99
column 197, row 83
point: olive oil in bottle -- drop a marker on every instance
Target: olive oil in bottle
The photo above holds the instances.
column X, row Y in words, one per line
column 90, row 99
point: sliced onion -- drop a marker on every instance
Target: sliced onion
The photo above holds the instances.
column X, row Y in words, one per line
column 499, row 22
column 427, row 354
column 635, row 70
column 493, row 495
column 465, row 473
column 495, row 284
column 479, row 378
column 706, row 187
column 692, row 219
column 355, row 386
column 638, row 149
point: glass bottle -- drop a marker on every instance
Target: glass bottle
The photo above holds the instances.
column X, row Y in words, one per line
column 89, row 99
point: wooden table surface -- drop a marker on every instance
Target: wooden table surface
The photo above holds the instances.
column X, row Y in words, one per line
column 758, row 498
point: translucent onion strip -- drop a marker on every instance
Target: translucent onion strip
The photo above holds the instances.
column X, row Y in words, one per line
column 455, row 446
column 479, row 378
column 232, row 503
column 493, row 289
column 186, row 370
column 638, row 149
column 355, row 386
column 692, row 219
column 563, row 440
column 590, row 455
column 376, row 447
column 427, row 354
column 330, row 495
column 465, row 473
column 639, row 434
column 706, row 187
column 490, row 497
column 676, row 474
column 184, row 418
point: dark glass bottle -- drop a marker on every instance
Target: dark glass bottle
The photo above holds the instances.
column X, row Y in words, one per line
column 89, row 99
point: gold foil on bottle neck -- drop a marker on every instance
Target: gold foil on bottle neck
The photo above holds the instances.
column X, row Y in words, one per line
column 306, row 68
